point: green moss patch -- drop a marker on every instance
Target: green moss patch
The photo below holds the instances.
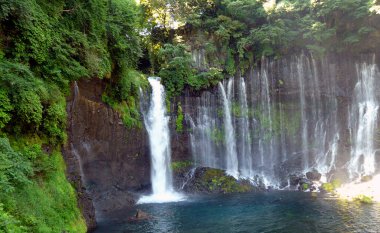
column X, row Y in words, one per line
column 217, row 181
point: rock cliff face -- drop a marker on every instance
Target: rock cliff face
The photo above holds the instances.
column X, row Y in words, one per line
column 106, row 161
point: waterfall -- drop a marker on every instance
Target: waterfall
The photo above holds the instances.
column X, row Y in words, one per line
column 156, row 123
column 301, row 82
column 283, row 136
column 204, row 131
column 231, row 158
column 289, row 117
column 266, row 108
column 74, row 151
column 363, row 118
column 244, row 132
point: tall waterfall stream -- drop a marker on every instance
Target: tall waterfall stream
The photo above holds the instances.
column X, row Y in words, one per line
column 156, row 123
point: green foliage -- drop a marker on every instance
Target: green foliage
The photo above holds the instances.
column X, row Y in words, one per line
column 63, row 41
column 55, row 121
column 124, row 96
column 179, row 119
column 175, row 68
column 29, row 103
column 44, row 45
column 180, row 165
column 205, row 79
column 130, row 83
column 122, row 35
column 14, row 169
column 230, row 63
column 268, row 38
column 33, row 187
column 128, row 110
column 246, row 11
column 237, row 33
column 246, row 27
column 29, row 107
column 8, row 223
column 5, row 108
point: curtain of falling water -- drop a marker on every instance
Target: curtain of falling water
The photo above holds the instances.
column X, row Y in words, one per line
column 285, row 111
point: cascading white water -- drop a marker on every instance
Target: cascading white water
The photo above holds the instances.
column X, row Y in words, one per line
column 256, row 127
column 283, row 136
column 267, row 110
column 232, row 165
column 244, row 132
column 325, row 162
column 203, row 128
column 363, row 118
column 268, row 151
column 301, row 81
column 156, row 123
column 74, row 151
column 287, row 113
column 363, row 125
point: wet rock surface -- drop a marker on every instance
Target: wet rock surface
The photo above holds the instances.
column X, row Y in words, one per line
column 106, row 161
column 313, row 175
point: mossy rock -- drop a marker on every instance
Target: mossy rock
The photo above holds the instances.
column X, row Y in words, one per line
column 328, row 187
column 305, row 186
column 331, row 187
column 180, row 166
column 211, row 180
column 364, row 199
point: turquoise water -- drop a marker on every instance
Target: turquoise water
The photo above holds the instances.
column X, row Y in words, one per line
column 291, row 212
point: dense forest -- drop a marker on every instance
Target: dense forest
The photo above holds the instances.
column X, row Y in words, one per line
column 47, row 45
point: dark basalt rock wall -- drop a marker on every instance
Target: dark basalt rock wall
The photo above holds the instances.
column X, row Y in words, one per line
column 105, row 160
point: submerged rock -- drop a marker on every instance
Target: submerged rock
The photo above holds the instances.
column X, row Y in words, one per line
column 140, row 215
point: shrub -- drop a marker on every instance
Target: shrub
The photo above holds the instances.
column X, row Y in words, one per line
column 5, row 108
column 179, row 119
column 14, row 169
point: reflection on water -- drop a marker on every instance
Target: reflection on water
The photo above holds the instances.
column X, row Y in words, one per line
column 263, row 212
